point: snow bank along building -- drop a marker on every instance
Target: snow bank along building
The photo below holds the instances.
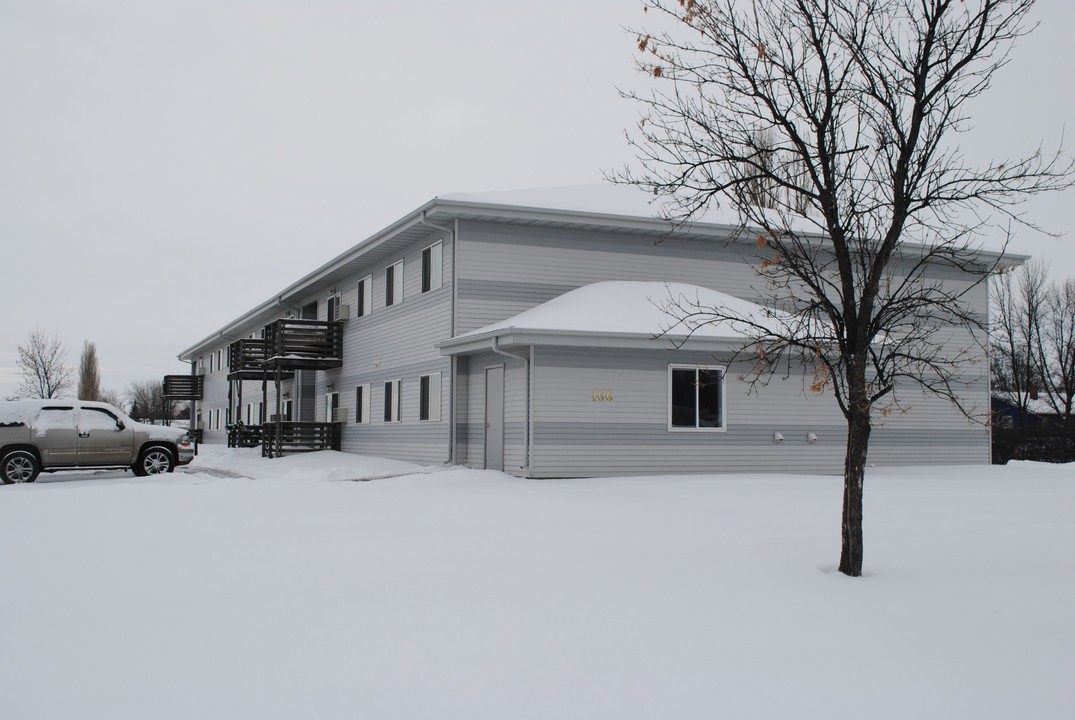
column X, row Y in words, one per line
column 517, row 331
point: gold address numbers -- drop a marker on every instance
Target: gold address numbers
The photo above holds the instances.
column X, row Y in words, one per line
column 602, row 396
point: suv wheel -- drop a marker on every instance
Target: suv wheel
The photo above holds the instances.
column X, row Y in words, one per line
column 19, row 466
column 154, row 461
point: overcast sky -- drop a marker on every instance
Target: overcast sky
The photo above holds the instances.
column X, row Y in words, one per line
column 165, row 165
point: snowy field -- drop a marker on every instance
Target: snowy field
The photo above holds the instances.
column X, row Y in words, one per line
column 243, row 588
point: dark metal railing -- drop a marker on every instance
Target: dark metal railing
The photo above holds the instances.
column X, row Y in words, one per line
column 285, row 437
column 247, row 355
column 244, row 436
column 183, row 387
column 293, row 343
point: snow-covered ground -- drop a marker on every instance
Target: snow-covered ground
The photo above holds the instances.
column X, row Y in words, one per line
column 245, row 588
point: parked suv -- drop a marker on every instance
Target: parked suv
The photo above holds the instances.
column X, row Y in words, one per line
column 49, row 435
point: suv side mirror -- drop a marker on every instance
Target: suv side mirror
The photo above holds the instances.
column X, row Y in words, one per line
column 120, row 425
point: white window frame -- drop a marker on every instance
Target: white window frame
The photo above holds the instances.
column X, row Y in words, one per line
column 362, row 406
column 393, row 401
column 723, row 398
column 435, row 277
column 332, row 304
column 364, row 300
column 396, row 297
column 429, row 396
column 329, row 397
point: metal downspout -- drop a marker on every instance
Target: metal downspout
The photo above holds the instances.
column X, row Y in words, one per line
column 526, row 416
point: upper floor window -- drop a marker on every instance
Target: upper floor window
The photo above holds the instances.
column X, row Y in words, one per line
column 333, row 307
column 695, row 397
column 432, row 267
column 393, row 284
column 364, row 301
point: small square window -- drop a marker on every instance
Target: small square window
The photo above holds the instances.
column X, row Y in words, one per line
column 695, row 398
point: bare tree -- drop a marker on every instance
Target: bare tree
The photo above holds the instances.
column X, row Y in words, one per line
column 89, row 374
column 43, row 368
column 1057, row 350
column 849, row 108
column 112, row 398
column 1018, row 302
column 148, row 402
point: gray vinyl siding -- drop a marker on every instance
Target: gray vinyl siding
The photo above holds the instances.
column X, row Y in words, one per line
column 394, row 343
column 471, row 433
column 577, row 436
column 214, row 396
column 503, row 270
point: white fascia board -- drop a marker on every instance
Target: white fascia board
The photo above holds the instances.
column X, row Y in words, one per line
column 521, row 337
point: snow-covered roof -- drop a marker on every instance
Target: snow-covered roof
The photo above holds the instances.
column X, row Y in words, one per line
column 621, row 314
column 616, row 201
column 1038, row 405
column 605, row 206
column 603, row 199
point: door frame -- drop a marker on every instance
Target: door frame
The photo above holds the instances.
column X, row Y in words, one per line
column 500, row 412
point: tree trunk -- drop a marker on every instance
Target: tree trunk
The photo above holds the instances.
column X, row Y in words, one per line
column 858, row 438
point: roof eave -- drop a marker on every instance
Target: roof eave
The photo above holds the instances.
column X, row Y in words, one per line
column 522, row 337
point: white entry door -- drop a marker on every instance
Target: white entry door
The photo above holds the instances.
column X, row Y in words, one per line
column 494, row 417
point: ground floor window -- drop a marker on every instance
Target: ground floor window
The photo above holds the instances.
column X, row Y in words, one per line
column 362, row 403
column 695, row 397
column 391, row 401
column 429, row 397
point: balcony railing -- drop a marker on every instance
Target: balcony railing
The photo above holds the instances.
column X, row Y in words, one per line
column 246, row 357
column 183, row 387
column 244, row 436
column 286, row 437
column 304, row 344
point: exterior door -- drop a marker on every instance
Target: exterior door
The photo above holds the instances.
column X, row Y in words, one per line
column 494, row 417
column 100, row 439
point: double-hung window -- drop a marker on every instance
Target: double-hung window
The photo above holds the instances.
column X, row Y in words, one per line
column 391, row 401
column 362, row 403
column 364, row 300
column 429, row 397
column 695, row 397
column 333, row 306
column 432, row 267
column 332, row 407
column 393, row 284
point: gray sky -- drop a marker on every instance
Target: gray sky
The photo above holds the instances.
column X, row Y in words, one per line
column 165, row 165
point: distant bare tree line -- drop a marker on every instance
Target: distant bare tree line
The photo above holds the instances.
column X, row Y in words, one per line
column 1033, row 339
column 45, row 372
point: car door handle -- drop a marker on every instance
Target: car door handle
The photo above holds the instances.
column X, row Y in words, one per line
column 84, row 434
